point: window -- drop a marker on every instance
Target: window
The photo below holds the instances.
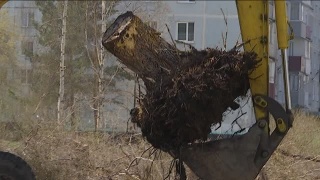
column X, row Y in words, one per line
column 313, row 91
column 295, row 9
column 307, row 49
column 27, row 48
column 271, row 34
column 272, row 67
column 308, row 67
column 310, row 21
column 288, row 10
column 304, row 16
column 26, row 18
column 185, row 31
column 291, row 48
column 24, row 75
column 294, row 82
column 271, row 10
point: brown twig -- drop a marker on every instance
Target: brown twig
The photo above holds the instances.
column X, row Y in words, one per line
column 173, row 43
column 136, row 159
column 299, row 156
column 224, row 38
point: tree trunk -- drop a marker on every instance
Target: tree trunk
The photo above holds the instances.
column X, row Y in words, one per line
column 62, row 66
column 73, row 117
column 140, row 48
column 100, row 68
column 96, row 103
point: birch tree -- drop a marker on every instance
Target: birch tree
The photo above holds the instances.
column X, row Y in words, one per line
column 62, row 64
column 82, row 54
column 96, row 53
column 47, row 75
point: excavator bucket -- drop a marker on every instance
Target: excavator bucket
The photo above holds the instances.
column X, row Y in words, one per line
column 225, row 159
column 240, row 157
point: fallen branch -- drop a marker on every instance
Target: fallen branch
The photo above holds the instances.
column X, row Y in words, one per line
column 299, row 156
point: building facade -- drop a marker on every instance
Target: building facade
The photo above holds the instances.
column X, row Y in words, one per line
column 304, row 54
column 23, row 13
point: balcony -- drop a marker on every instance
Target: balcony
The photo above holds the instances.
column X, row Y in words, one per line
column 299, row 64
column 296, row 64
column 300, row 29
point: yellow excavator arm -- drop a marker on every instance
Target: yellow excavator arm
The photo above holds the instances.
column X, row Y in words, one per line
column 242, row 157
column 254, row 26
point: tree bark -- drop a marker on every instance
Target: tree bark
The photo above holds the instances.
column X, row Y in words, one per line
column 100, row 67
column 62, row 66
column 140, row 48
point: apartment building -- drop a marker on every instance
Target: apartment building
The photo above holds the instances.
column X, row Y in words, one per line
column 23, row 13
column 304, row 54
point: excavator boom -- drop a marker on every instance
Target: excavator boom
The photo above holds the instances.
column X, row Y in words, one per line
column 254, row 27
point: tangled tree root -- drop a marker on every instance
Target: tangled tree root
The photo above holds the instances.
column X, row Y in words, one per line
column 183, row 108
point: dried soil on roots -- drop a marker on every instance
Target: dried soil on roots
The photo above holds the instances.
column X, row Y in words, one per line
column 181, row 108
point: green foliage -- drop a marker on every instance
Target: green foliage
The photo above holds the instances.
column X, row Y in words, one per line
column 9, row 88
column 8, row 40
column 77, row 78
column 83, row 40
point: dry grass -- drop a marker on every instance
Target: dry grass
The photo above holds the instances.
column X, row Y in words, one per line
column 303, row 140
column 58, row 154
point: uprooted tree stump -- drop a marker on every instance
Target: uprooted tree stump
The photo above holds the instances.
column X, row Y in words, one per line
column 186, row 92
column 140, row 48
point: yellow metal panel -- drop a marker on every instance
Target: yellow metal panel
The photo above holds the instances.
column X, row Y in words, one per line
column 254, row 26
column 282, row 24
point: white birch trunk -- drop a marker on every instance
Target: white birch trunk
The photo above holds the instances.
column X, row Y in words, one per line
column 62, row 66
column 99, row 70
column 101, row 65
